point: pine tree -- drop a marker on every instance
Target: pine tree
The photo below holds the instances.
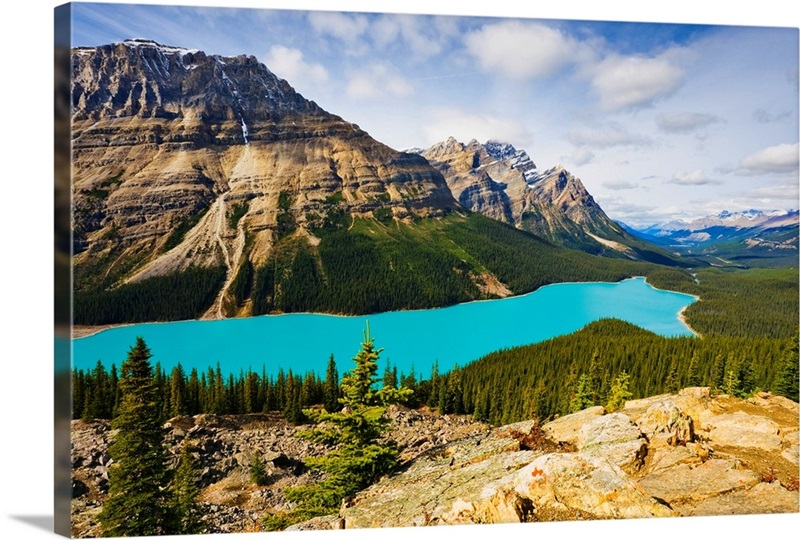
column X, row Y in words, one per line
column 138, row 503
column 331, row 387
column 358, row 458
column 620, row 392
column 786, row 381
column 583, row 395
column 693, row 375
column 258, row 474
column 185, row 490
column 672, row 383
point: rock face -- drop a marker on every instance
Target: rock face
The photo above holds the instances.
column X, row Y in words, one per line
column 654, row 458
column 168, row 139
column 503, row 183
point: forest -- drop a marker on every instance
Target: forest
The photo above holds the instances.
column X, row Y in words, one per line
column 746, row 320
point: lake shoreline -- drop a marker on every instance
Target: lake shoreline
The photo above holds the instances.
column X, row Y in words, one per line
column 84, row 331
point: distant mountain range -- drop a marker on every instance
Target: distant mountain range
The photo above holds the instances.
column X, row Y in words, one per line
column 749, row 237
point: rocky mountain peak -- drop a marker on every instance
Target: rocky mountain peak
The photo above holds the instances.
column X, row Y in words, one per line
column 183, row 159
column 141, row 77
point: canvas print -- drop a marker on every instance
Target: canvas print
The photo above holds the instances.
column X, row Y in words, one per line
column 323, row 270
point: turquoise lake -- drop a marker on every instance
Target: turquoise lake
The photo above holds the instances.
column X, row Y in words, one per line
column 452, row 335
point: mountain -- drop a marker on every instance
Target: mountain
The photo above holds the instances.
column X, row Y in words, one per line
column 746, row 238
column 502, row 182
column 206, row 186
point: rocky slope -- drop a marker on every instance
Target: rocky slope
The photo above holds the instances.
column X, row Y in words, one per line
column 224, row 446
column 186, row 159
column 503, row 183
column 671, row 455
column 682, row 454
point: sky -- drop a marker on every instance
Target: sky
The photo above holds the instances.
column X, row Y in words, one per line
column 660, row 121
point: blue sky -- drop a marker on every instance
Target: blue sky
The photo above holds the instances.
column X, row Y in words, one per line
column 660, row 121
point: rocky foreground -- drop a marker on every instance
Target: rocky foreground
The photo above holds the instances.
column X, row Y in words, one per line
column 682, row 454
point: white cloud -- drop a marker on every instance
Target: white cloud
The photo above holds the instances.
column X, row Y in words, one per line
column 289, row 64
column 377, row 82
column 624, row 82
column 451, row 122
column 523, row 50
column 685, row 122
column 693, row 178
column 620, row 185
column 606, row 136
column 581, row 156
column 420, row 37
column 348, row 29
column 782, row 158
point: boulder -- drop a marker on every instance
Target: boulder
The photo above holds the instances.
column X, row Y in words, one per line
column 763, row 498
column 742, row 430
column 585, row 483
column 565, row 429
column 692, row 483
column 614, row 437
column 665, row 423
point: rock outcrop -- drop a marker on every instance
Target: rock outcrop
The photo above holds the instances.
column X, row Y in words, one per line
column 655, row 457
column 669, row 455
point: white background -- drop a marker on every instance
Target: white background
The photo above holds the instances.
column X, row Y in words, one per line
column 26, row 259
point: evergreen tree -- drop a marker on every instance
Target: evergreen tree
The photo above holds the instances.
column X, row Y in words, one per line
column 672, row 383
column 185, row 490
column 583, row 395
column 358, row 458
column 390, row 376
column 258, row 474
column 718, row 371
column 331, row 387
column 620, row 393
column 786, row 381
column 693, row 375
column 138, row 503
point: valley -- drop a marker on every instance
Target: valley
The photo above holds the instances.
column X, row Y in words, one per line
column 235, row 239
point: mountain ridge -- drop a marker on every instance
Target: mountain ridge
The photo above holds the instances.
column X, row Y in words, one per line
column 502, row 182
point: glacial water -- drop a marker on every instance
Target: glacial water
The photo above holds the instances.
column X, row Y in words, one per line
column 453, row 335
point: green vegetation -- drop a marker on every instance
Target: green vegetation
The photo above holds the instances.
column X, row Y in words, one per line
column 237, row 212
column 184, row 226
column 177, row 296
column 374, row 266
column 286, row 221
column 97, row 193
column 113, row 180
column 357, row 457
column 242, row 284
column 185, row 491
column 138, row 503
column 572, row 372
column 336, row 198
column 258, row 473
column 755, row 302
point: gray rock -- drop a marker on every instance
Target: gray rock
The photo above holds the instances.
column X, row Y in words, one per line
column 742, row 429
column 685, row 482
column 614, row 437
column 565, row 429
column 763, row 498
column 665, row 423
